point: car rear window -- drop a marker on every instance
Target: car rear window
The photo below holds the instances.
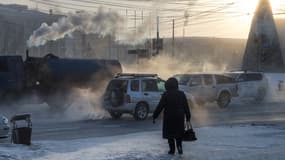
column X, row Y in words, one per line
column 224, row 79
column 246, row 76
column 250, row 77
column 182, row 79
column 118, row 84
column 254, row 77
column 149, row 85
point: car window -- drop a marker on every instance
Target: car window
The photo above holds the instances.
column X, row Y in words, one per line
column 224, row 79
column 161, row 85
column 233, row 75
column 208, row 79
column 118, row 84
column 182, row 79
column 195, row 81
column 250, row 77
column 149, row 85
column 135, row 85
column 254, row 77
column 242, row 78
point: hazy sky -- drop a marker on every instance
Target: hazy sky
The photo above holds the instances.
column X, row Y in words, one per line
column 223, row 18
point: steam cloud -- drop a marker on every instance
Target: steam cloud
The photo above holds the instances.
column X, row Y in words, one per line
column 103, row 23
column 166, row 66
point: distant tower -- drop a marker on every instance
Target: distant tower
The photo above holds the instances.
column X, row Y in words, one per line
column 263, row 51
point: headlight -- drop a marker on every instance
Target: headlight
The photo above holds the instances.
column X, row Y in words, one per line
column 5, row 121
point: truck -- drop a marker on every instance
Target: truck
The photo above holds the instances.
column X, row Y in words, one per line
column 50, row 78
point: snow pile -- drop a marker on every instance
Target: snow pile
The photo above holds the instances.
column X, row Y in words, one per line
column 215, row 143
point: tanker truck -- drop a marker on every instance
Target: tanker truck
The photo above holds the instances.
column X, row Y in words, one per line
column 50, row 79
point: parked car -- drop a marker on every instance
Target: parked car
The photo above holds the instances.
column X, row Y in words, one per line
column 4, row 126
column 136, row 94
column 208, row 88
column 250, row 84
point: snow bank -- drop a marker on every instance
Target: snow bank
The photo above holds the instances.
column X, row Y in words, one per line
column 215, row 143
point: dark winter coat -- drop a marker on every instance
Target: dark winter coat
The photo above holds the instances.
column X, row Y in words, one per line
column 175, row 107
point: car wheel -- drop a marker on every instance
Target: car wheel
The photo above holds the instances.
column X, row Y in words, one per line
column 224, row 99
column 115, row 115
column 261, row 93
column 141, row 111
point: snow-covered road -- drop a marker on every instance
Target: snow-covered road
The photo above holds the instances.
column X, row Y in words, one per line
column 241, row 142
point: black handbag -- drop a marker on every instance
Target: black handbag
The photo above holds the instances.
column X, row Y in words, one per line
column 189, row 134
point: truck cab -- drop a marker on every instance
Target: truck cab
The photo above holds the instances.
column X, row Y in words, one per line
column 11, row 74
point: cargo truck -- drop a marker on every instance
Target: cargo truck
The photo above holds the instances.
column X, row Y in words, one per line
column 50, row 78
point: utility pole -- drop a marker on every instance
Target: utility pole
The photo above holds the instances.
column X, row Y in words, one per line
column 150, row 26
column 157, row 35
column 173, row 25
column 110, row 42
column 135, row 22
column 137, row 57
column 126, row 19
column 183, row 32
column 142, row 17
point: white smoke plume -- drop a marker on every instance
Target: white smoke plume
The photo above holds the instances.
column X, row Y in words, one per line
column 103, row 23
column 139, row 35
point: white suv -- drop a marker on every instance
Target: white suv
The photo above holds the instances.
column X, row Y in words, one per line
column 208, row 87
column 136, row 94
column 250, row 84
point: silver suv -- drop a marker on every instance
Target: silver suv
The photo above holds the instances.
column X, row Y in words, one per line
column 136, row 94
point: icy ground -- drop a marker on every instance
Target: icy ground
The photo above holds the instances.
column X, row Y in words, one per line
column 248, row 142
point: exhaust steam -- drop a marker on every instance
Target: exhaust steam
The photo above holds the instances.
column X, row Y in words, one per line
column 103, row 23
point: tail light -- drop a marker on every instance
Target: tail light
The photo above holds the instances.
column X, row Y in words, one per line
column 127, row 98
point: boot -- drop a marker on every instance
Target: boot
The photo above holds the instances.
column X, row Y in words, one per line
column 171, row 146
column 180, row 150
column 179, row 146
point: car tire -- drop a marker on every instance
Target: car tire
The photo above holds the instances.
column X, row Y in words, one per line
column 115, row 115
column 224, row 99
column 141, row 111
column 261, row 93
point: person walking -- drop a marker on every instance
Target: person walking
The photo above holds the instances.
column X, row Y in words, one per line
column 175, row 108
